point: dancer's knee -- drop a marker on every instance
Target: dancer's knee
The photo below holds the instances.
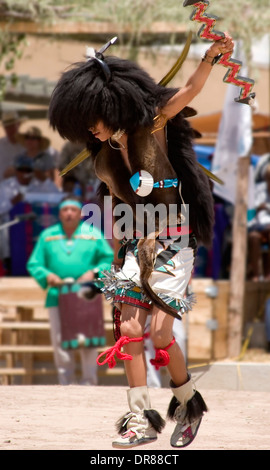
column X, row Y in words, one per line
column 160, row 339
column 131, row 328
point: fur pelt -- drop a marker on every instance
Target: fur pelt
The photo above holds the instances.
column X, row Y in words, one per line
column 196, row 189
column 153, row 416
column 195, row 407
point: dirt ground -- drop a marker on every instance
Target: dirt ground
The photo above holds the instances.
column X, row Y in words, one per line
column 83, row 418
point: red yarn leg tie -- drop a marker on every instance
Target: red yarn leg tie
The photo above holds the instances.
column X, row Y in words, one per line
column 162, row 356
column 116, row 349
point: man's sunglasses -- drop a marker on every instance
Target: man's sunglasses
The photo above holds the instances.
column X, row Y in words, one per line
column 32, row 137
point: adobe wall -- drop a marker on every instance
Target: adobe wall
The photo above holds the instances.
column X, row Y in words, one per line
column 47, row 58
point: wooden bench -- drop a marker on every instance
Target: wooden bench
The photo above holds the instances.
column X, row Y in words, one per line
column 26, row 354
column 19, row 336
column 16, row 325
column 19, row 345
column 22, row 304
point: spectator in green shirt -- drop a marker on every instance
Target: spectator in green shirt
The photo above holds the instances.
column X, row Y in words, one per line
column 65, row 251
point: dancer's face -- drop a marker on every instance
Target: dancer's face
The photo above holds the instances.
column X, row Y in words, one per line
column 100, row 131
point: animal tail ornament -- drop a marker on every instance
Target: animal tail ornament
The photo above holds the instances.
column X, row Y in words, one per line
column 207, row 32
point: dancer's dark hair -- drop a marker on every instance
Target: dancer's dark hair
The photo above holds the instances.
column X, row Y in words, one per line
column 82, row 97
column 196, row 189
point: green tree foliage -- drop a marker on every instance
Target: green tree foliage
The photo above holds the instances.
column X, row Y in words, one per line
column 11, row 47
column 244, row 19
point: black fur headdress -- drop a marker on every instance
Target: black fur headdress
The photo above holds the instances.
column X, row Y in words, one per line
column 196, row 190
column 83, row 96
column 129, row 100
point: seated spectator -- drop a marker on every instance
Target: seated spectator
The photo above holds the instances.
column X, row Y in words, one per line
column 12, row 191
column 84, row 174
column 42, row 189
column 9, row 147
column 36, row 146
column 70, row 184
column 41, row 182
column 259, row 227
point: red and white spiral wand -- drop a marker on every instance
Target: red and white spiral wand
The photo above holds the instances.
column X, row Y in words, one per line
column 207, row 32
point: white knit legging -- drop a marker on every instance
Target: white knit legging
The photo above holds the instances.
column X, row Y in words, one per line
column 65, row 359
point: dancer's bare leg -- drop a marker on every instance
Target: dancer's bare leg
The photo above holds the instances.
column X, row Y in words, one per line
column 187, row 405
column 142, row 424
column 161, row 334
column 132, row 325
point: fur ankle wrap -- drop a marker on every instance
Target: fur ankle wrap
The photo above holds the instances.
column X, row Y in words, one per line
column 140, row 412
column 187, row 396
column 153, row 417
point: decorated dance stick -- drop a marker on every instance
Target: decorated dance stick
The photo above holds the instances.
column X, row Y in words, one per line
column 76, row 161
column 177, row 65
column 207, row 32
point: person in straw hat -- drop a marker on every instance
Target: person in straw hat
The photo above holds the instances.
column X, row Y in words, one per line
column 9, row 146
column 37, row 147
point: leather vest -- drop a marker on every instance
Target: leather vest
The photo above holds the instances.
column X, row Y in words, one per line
column 144, row 153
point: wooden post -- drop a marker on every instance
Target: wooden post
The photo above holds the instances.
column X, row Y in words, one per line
column 26, row 314
column 238, row 262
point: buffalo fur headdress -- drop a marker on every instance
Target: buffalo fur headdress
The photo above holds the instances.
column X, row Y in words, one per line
column 129, row 100
column 83, row 96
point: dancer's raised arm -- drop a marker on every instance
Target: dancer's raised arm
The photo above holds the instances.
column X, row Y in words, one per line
column 197, row 80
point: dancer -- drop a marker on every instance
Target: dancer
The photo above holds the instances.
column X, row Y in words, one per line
column 141, row 144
